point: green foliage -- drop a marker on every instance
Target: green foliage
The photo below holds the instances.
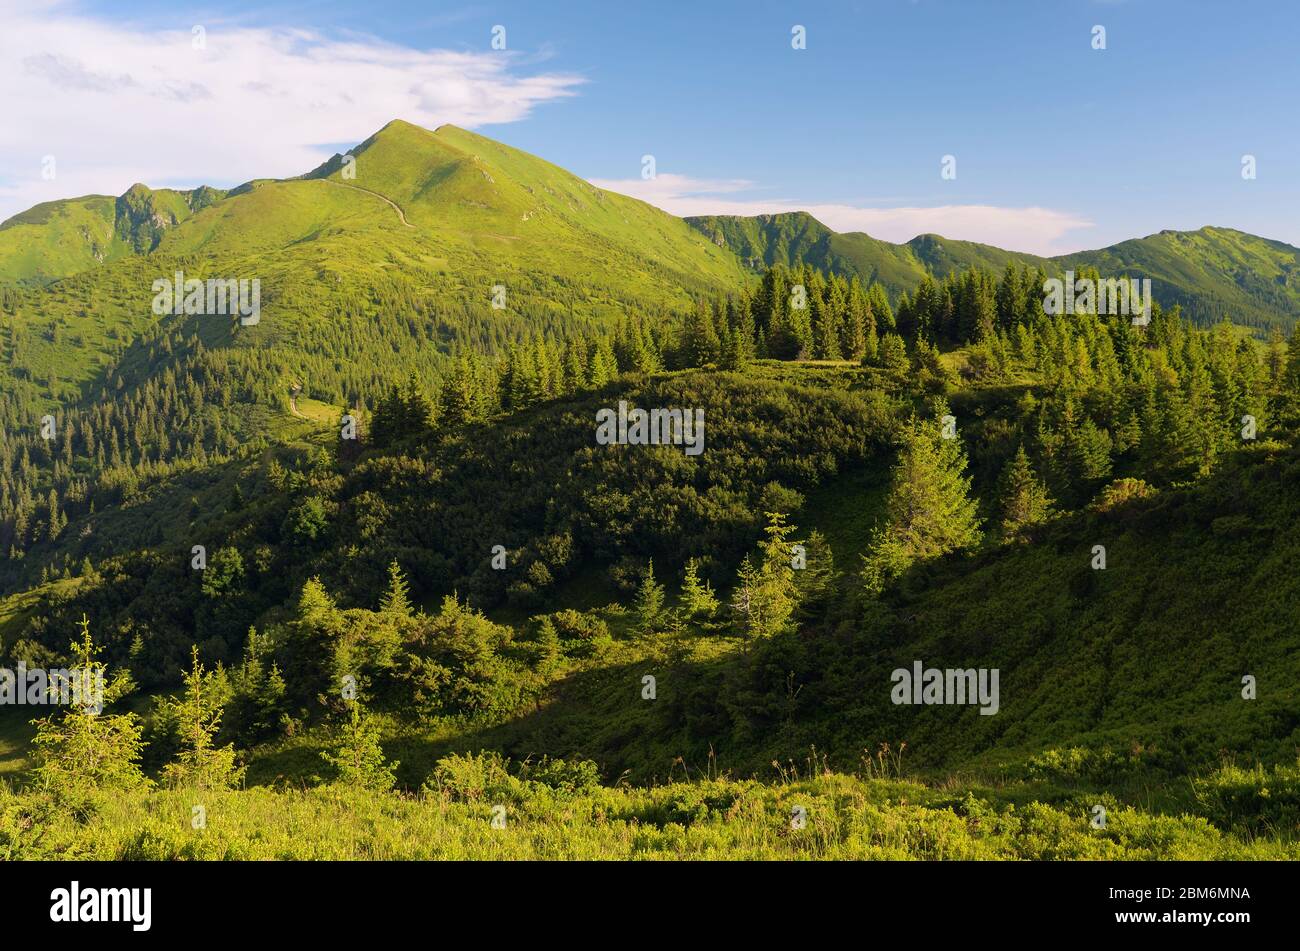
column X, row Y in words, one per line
column 649, row 605
column 224, row 574
column 396, row 599
column 258, row 707
column 478, row 425
column 455, row 663
column 357, row 757
column 1259, row 801
column 930, row 512
column 696, row 600
column 201, row 763
column 765, row 595
column 849, row 818
column 82, row 749
column 1023, row 499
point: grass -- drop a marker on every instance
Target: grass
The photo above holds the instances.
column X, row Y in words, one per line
column 843, row 817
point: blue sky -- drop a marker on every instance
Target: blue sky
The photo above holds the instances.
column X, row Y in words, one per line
column 1058, row 146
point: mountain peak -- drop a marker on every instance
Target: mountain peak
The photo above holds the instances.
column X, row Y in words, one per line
column 404, row 125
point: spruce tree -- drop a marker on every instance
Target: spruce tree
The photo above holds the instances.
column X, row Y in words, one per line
column 815, row 582
column 697, row 599
column 396, row 600
column 81, row 748
column 929, row 512
column 1022, row 499
column 765, row 595
column 650, row 602
column 201, row 764
column 357, row 756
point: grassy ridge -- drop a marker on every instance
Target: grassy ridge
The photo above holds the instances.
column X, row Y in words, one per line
column 1212, row 273
column 845, row 817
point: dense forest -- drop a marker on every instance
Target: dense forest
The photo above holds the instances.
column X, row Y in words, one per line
column 881, row 481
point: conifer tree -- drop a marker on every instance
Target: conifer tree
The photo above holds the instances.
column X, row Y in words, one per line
column 257, row 694
column 929, row 511
column 650, row 602
column 201, row 764
column 766, row 595
column 815, row 582
column 604, row 366
column 396, row 600
column 1022, row 499
column 697, row 598
column 81, row 748
column 700, row 343
column 892, row 359
column 744, row 598
column 357, row 755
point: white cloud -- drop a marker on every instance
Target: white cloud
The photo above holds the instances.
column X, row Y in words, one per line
column 1032, row 229
column 115, row 104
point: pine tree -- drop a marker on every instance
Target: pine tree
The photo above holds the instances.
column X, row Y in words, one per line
column 697, row 599
column 1022, row 499
column 81, row 748
column 650, row 602
column 929, row 512
column 357, row 755
column 458, row 396
column 201, row 764
column 815, row 582
column 1290, row 382
column 257, row 694
column 743, row 596
column 700, row 343
column 892, row 359
column 396, row 600
column 604, row 365
column 766, row 596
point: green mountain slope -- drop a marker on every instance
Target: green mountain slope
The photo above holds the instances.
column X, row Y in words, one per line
column 362, row 278
column 765, row 240
column 450, row 200
column 480, row 197
column 60, row 238
column 1212, row 273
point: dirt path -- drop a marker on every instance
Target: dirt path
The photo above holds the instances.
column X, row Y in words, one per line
column 396, row 207
column 293, row 408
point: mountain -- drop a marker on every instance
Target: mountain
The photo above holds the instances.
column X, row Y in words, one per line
column 181, row 484
column 1212, row 273
column 448, row 200
column 57, row 239
column 460, row 214
column 788, row 238
column 369, row 267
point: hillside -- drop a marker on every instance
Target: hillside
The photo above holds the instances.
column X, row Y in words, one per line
column 378, row 531
column 1212, row 273
column 448, row 201
column 1120, row 686
column 60, row 238
column 444, row 243
column 797, row 236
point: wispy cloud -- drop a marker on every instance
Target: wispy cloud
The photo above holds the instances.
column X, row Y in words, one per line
column 1032, row 229
column 115, row 104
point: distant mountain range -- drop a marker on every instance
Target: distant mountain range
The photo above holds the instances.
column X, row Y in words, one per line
column 1211, row 272
column 466, row 206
